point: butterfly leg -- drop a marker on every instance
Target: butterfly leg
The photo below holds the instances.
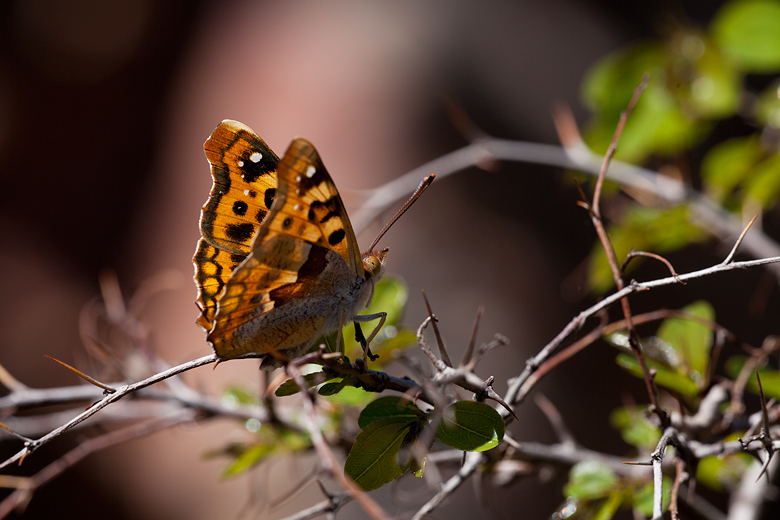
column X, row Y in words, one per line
column 382, row 316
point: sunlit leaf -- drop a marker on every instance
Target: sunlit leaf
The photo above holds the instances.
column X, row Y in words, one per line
column 589, row 480
column 643, row 498
column 665, row 377
column 471, row 426
column 727, row 163
column 747, row 32
column 690, row 339
column 635, row 428
column 770, row 378
column 723, row 473
column 763, row 184
column 643, row 229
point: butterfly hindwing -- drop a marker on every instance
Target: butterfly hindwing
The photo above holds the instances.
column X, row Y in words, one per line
column 303, row 257
column 244, row 173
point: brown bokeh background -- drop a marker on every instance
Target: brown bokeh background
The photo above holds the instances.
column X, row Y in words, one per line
column 104, row 108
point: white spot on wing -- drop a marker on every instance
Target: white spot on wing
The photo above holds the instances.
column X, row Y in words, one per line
column 255, row 157
column 246, row 193
column 240, row 164
column 298, row 178
column 310, row 171
column 297, row 207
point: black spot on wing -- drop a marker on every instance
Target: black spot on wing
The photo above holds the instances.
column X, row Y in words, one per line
column 236, row 259
column 260, row 215
column 323, row 211
column 253, row 170
column 336, row 237
column 240, row 232
column 270, row 195
column 240, row 207
column 287, row 223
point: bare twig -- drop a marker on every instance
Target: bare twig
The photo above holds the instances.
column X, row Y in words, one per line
column 439, row 341
column 734, row 249
column 111, row 398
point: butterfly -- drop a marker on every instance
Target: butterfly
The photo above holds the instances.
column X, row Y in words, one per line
column 278, row 263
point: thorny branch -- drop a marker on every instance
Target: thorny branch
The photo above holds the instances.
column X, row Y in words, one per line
column 573, row 155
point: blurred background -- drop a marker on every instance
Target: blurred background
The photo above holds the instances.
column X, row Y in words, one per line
column 104, row 108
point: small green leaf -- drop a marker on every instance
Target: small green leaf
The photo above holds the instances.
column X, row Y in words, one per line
column 723, row 473
column 643, row 498
column 763, row 184
column 747, row 32
column 643, row 229
column 634, row 427
column 610, row 506
column 248, row 459
column 767, row 108
column 390, row 296
column 690, row 339
column 728, row 163
column 374, row 459
column 389, row 406
column 589, row 480
column 351, row 396
column 664, row 376
column 471, row 426
column 290, row 387
column 770, row 379
column 333, row 387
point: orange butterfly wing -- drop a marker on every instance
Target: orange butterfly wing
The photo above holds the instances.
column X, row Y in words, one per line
column 304, row 271
column 243, row 168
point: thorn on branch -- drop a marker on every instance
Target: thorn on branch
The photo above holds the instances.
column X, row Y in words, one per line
column 434, row 320
column 734, row 249
column 85, row 377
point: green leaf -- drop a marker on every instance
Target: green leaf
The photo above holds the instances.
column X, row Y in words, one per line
column 747, row 33
column 712, row 85
column 728, row 163
column 333, row 387
column 767, row 109
column 375, row 457
column 763, row 184
column 389, row 406
column 634, row 427
column 351, row 396
column 248, row 459
column 390, row 296
column 238, row 396
column 643, row 229
column 610, row 506
column 664, row 376
column 723, row 473
column 691, row 340
column 589, row 480
column 643, row 498
column 471, row 426
column 290, row 387
column 770, row 379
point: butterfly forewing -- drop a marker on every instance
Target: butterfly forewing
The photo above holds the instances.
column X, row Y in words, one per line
column 313, row 210
column 244, row 172
column 303, row 256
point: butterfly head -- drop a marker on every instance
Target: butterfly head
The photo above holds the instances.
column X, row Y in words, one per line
column 373, row 262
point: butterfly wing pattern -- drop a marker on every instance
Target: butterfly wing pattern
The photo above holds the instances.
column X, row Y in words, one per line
column 243, row 168
column 303, row 275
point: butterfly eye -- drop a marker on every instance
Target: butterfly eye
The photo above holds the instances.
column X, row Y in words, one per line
column 372, row 265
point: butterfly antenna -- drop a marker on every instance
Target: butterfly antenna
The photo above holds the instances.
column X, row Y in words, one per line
column 416, row 195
